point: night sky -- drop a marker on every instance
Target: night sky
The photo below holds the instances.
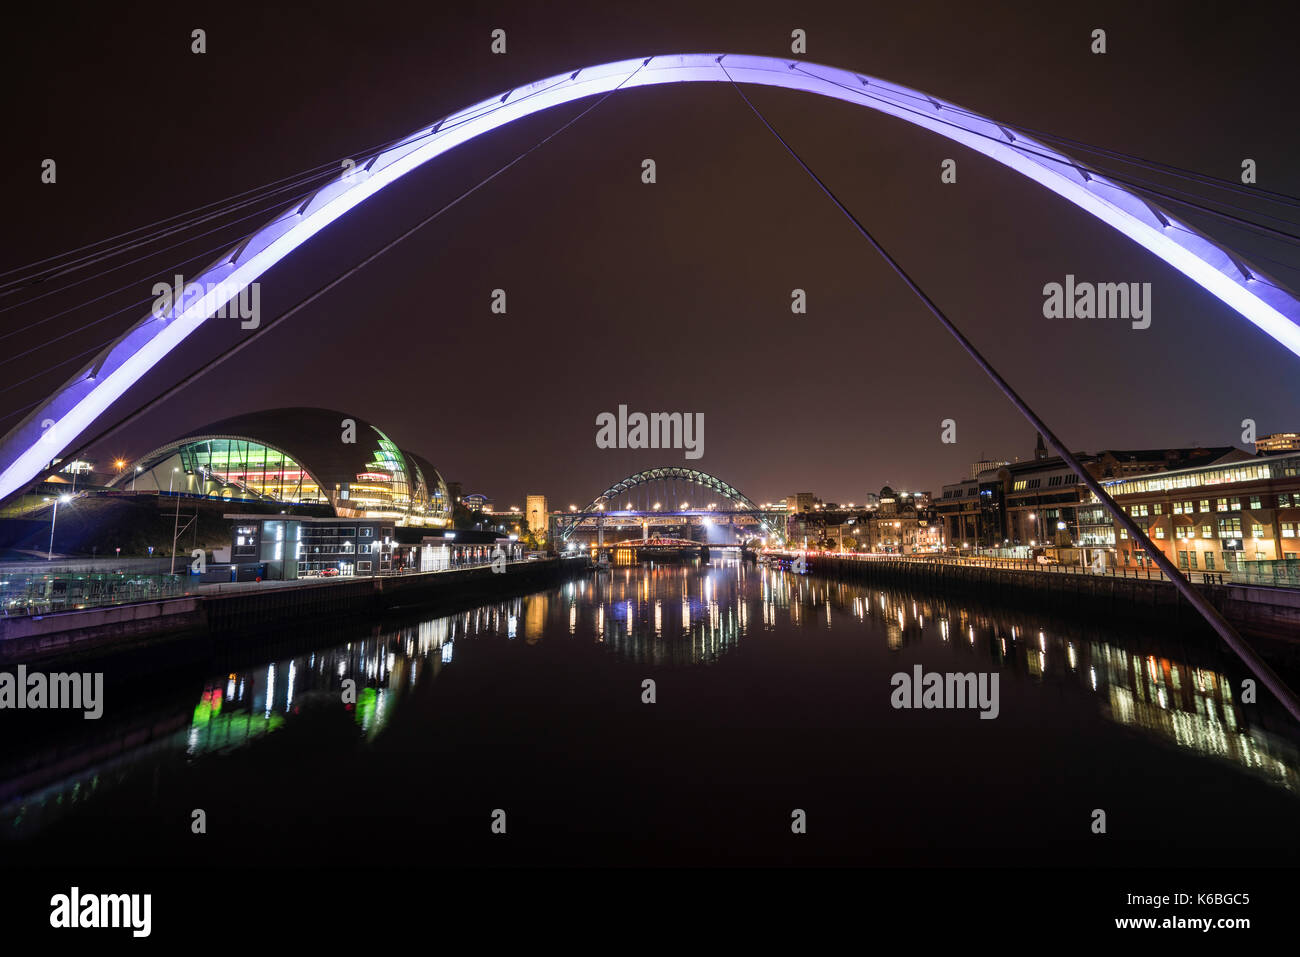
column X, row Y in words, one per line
column 666, row 297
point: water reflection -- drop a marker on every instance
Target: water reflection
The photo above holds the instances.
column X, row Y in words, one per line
column 664, row 615
column 1173, row 690
column 1186, row 703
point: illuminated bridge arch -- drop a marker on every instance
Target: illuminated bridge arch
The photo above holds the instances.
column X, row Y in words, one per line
column 56, row 424
column 666, row 483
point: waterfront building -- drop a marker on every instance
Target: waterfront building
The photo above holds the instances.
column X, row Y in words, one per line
column 1217, row 516
column 970, row 512
column 1278, row 442
column 538, row 516
column 1040, row 504
column 892, row 526
column 801, row 502
column 984, row 465
column 288, row 547
column 1048, row 507
column 297, row 456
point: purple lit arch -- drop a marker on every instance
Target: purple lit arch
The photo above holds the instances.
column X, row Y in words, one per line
column 27, row 449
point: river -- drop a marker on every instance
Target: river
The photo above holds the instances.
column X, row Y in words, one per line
column 524, row 732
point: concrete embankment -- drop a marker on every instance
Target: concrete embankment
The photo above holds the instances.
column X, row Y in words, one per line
column 1254, row 610
column 228, row 617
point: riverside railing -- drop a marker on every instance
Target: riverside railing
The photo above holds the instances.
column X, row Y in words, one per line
column 65, row 589
column 219, row 588
column 1280, row 573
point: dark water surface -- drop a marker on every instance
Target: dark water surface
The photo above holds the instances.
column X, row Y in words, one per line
column 773, row 694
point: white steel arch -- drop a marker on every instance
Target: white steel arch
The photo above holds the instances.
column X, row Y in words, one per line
column 57, row 423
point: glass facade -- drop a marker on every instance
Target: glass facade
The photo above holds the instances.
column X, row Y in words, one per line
column 394, row 487
column 260, row 471
column 1280, row 467
column 373, row 480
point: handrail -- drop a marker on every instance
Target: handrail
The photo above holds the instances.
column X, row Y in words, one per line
column 1289, row 577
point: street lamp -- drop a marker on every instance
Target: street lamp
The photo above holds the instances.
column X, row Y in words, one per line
column 176, row 522
column 54, row 517
column 134, row 477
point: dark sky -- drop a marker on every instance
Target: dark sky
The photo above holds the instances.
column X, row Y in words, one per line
column 673, row 296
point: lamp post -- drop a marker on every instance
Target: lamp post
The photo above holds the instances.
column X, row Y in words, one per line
column 134, row 476
column 54, row 517
column 176, row 521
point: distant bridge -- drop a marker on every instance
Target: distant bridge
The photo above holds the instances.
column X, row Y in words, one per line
column 671, row 495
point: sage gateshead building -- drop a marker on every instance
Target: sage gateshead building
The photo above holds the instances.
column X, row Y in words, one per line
column 297, row 456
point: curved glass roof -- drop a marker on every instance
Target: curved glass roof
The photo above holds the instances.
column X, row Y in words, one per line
column 299, row 456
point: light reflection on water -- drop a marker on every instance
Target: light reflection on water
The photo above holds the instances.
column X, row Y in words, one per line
column 663, row 617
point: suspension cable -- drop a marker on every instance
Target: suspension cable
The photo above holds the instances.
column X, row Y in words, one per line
column 265, row 189
column 1268, row 231
column 1260, row 668
column 322, row 290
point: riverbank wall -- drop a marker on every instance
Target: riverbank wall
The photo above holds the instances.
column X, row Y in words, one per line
column 214, row 617
column 1258, row 611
